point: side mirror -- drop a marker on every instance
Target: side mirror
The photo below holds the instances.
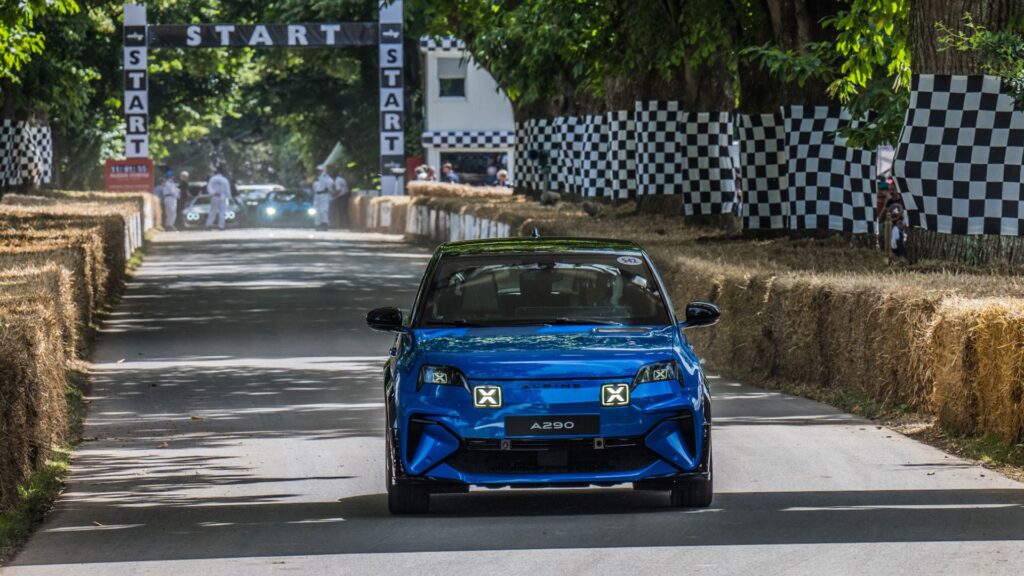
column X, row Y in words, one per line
column 701, row 314
column 387, row 319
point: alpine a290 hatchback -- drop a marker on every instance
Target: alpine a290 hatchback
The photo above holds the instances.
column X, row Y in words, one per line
column 544, row 362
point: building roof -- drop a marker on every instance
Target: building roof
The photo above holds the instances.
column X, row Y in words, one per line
column 519, row 245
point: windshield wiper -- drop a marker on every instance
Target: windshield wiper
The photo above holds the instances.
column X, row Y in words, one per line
column 585, row 321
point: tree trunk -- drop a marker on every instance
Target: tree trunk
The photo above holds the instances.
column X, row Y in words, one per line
column 927, row 56
column 789, row 25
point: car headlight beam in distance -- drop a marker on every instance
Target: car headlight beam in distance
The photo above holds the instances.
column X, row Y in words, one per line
column 311, row 211
column 271, row 211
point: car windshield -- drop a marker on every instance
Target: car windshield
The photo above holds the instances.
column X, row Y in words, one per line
column 542, row 289
column 286, row 197
column 201, row 201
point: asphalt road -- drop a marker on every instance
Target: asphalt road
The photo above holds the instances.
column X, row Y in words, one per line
column 236, row 428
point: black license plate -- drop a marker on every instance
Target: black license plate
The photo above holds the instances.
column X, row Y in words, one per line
column 552, row 425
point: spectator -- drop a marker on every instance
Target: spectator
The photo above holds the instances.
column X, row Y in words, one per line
column 448, row 175
column 431, row 174
column 171, row 193
column 898, row 241
column 501, row 179
column 492, row 176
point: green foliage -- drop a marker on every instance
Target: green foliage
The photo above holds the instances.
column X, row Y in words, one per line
column 866, row 68
column 18, row 40
column 539, row 49
column 1001, row 53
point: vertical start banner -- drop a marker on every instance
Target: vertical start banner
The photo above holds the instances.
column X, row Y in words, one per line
column 392, row 99
column 136, row 83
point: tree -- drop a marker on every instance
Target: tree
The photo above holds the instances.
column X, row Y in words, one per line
column 20, row 42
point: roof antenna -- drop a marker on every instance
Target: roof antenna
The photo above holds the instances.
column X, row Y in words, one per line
column 535, row 233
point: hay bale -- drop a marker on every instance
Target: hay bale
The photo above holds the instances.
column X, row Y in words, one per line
column 79, row 250
column 423, row 189
column 51, row 286
column 145, row 203
column 975, row 350
column 111, row 220
column 33, row 410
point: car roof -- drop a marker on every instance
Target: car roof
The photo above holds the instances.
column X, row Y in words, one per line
column 527, row 244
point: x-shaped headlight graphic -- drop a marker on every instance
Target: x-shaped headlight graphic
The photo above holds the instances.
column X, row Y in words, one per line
column 487, row 397
column 615, row 395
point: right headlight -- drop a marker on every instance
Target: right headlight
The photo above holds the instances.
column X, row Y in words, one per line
column 440, row 376
column 657, row 372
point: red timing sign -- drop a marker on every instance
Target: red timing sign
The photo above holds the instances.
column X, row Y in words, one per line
column 131, row 175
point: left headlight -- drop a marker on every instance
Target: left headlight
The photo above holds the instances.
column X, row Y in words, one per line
column 311, row 211
column 657, row 372
column 440, row 376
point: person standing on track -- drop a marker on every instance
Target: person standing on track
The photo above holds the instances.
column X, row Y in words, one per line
column 323, row 188
column 171, row 195
column 219, row 189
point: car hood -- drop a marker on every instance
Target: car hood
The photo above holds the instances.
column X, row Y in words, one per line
column 547, row 352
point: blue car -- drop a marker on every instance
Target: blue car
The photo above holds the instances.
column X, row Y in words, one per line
column 286, row 208
column 533, row 362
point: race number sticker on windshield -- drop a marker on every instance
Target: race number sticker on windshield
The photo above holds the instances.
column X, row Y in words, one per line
column 629, row 261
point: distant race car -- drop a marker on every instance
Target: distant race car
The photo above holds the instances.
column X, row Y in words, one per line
column 197, row 210
column 532, row 362
column 286, row 208
column 250, row 196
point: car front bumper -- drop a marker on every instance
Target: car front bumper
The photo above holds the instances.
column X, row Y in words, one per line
column 660, row 437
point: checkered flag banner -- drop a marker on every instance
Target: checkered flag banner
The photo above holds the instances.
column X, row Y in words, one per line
column 685, row 153
column 762, row 167
column 479, row 140
column 831, row 185
column 959, row 159
column 620, row 127
column 10, row 167
column 445, row 44
column 541, row 136
column 593, row 170
column 526, row 169
column 26, row 154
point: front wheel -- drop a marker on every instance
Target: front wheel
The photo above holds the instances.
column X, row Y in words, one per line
column 696, row 493
column 402, row 499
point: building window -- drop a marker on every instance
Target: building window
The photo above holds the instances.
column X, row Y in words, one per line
column 451, row 75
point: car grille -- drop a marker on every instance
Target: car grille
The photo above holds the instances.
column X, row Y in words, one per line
column 551, row 456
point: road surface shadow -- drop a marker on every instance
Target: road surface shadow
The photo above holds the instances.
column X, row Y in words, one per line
column 512, row 520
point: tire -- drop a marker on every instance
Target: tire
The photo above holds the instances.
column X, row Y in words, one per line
column 696, row 493
column 402, row 499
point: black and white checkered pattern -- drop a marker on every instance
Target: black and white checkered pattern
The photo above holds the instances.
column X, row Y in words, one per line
column 525, row 168
column 26, row 153
column 10, row 166
column 474, row 140
column 762, row 167
column 569, row 143
column 685, row 153
column 831, row 185
column 620, row 128
column 593, row 162
column 960, row 155
column 448, row 44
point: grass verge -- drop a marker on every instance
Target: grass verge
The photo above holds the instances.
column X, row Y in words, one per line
column 37, row 493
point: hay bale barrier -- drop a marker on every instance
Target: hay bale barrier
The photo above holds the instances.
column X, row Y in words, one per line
column 805, row 314
column 62, row 259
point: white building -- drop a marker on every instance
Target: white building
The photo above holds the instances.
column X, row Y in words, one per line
column 468, row 120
